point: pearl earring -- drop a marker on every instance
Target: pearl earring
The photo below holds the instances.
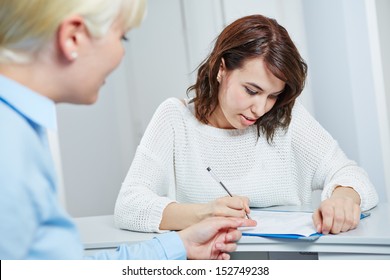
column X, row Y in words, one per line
column 74, row 55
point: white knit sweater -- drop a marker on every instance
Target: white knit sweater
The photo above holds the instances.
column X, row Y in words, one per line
column 171, row 160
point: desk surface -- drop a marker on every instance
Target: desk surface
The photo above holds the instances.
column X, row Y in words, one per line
column 371, row 237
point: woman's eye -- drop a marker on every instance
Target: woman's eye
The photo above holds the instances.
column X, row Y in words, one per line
column 124, row 38
column 249, row 91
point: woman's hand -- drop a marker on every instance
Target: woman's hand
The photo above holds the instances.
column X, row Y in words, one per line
column 236, row 206
column 213, row 238
column 178, row 216
column 339, row 213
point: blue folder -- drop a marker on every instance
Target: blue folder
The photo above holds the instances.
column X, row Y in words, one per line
column 312, row 237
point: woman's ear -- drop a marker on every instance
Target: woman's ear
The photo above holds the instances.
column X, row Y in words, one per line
column 223, row 66
column 221, row 71
column 71, row 34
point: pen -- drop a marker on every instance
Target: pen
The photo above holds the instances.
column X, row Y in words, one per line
column 223, row 186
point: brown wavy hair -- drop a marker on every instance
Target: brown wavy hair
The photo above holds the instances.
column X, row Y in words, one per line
column 254, row 36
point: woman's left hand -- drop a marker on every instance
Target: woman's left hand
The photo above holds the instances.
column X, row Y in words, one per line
column 339, row 213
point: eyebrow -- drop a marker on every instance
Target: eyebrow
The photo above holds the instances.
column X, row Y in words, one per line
column 259, row 88
column 254, row 85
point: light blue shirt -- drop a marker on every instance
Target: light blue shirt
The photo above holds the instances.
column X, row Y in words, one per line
column 32, row 223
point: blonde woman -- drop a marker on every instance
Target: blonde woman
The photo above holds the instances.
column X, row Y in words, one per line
column 54, row 51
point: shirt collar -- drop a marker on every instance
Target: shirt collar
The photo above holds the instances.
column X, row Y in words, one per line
column 32, row 105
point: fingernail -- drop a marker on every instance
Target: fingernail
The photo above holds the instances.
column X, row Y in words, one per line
column 218, row 245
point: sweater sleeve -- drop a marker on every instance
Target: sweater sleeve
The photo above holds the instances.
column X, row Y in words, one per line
column 150, row 181
column 321, row 159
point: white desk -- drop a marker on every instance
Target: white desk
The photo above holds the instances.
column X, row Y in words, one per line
column 371, row 240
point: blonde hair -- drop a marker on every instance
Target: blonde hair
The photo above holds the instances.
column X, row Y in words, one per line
column 26, row 26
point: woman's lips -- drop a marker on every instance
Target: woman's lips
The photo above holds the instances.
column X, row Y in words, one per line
column 248, row 121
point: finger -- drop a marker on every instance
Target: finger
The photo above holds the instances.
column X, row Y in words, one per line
column 247, row 223
column 338, row 220
column 356, row 216
column 317, row 220
column 226, row 207
column 236, row 206
column 233, row 235
column 247, row 209
column 226, row 247
column 238, row 202
column 223, row 223
column 327, row 219
column 349, row 220
column 245, row 200
column 356, row 220
column 235, row 213
column 225, row 211
column 223, row 256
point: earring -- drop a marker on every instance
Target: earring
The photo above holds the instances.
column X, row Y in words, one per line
column 74, row 55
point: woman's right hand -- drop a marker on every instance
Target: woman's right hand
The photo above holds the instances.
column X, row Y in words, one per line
column 178, row 216
column 236, row 206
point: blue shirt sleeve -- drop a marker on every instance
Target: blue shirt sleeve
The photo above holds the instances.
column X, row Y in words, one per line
column 167, row 246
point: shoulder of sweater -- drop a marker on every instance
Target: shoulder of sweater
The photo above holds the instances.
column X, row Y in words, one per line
column 299, row 111
column 171, row 109
column 301, row 118
column 172, row 104
column 304, row 123
column 172, row 101
column 298, row 107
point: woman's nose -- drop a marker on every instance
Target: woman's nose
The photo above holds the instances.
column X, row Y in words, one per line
column 259, row 106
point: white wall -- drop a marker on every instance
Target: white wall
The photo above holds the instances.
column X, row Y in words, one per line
column 383, row 12
column 378, row 21
column 342, row 81
column 98, row 142
column 96, row 147
column 200, row 31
